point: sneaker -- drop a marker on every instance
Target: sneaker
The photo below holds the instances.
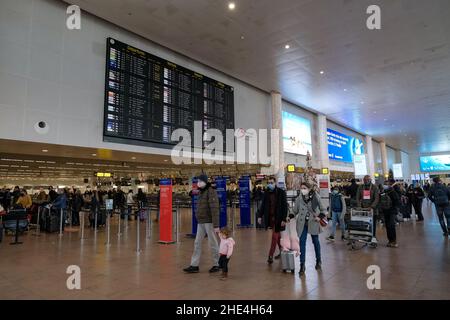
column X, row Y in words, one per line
column 278, row 256
column 270, row 260
column 394, row 245
column 214, row 269
column 330, row 238
column 191, row 269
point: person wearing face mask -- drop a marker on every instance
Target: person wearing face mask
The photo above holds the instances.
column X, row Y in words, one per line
column 368, row 196
column 308, row 210
column 273, row 209
column 207, row 224
column 389, row 204
column 337, row 212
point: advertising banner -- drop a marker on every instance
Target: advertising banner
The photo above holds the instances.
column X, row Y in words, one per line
column 165, row 209
column 359, row 162
column 342, row 147
column 244, row 202
column 435, row 163
column 221, row 188
column 296, row 134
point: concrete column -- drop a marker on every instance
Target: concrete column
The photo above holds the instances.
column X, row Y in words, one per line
column 384, row 159
column 277, row 123
column 370, row 158
column 322, row 158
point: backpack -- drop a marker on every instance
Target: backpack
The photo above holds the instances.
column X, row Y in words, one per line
column 385, row 201
column 336, row 203
column 440, row 196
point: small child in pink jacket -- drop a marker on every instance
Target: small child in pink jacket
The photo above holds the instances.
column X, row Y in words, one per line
column 226, row 250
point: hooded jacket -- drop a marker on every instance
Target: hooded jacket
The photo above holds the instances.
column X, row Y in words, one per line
column 208, row 206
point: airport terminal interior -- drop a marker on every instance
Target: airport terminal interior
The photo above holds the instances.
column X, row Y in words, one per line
column 225, row 150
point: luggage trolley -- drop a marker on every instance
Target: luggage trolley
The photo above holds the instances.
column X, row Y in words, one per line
column 360, row 228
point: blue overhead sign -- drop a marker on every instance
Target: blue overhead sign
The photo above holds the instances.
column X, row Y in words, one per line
column 435, row 163
column 342, row 147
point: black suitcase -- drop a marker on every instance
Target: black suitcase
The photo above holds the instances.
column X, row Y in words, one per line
column 50, row 220
column 359, row 226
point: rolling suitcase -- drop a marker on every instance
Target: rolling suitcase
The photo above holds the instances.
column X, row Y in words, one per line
column 288, row 261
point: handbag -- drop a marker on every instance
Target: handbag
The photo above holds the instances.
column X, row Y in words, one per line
column 323, row 222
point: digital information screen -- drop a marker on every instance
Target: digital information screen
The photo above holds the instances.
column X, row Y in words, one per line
column 147, row 98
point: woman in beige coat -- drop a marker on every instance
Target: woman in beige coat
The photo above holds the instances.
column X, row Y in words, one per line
column 308, row 210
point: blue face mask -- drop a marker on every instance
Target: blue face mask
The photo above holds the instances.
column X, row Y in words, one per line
column 271, row 186
column 335, row 191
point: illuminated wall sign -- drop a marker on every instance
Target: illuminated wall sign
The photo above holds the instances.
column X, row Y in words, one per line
column 360, row 164
column 103, row 174
column 291, row 168
column 325, row 171
column 398, row 170
column 296, row 134
column 435, row 163
column 342, row 147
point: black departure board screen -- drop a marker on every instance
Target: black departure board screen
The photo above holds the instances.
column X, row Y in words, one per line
column 147, row 97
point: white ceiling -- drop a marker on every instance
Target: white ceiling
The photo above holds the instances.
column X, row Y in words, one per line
column 400, row 73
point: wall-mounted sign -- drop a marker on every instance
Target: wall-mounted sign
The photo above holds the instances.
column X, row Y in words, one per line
column 291, row 168
column 296, row 134
column 103, row 174
column 342, row 147
column 398, row 170
column 325, row 171
column 359, row 161
column 435, row 163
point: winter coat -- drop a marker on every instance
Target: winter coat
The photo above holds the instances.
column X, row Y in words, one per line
column 301, row 209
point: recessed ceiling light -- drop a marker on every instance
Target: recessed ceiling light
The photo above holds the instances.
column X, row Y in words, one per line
column 374, row 112
column 242, row 37
column 385, row 119
column 166, row 160
column 345, row 89
column 362, row 102
column 133, row 158
column 94, row 154
column 322, row 72
column 287, row 46
column 44, row 150
column 231, row 5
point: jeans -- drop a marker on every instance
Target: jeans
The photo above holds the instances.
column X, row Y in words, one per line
column 389, row 220
column 336, row 217
column 441, row 212
column 315, row 240
column 223, row 263
column 75, row 217
column 276, row 240
column 202, row 230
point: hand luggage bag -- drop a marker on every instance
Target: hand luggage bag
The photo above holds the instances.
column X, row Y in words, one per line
column 288, row 261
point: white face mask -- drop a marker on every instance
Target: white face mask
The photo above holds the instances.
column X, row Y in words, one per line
column 201, row 184
column 304, row 191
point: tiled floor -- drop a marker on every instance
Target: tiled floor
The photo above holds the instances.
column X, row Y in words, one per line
column 418, row 269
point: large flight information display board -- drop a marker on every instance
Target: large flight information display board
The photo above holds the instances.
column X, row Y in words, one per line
column 147, row 98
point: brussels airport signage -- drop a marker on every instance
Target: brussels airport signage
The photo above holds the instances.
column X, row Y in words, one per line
column 435, row 163
column 342, row 147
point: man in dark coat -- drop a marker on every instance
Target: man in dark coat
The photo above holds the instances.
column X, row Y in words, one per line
column 274, row 210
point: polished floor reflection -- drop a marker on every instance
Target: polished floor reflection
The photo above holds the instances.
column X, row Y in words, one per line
column 418, row 269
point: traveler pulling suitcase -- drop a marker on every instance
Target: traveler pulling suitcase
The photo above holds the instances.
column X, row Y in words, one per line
column 288, row 261
column 50, row 219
